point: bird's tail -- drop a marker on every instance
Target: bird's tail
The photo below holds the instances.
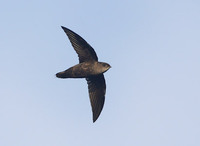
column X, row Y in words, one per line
column 63, row 74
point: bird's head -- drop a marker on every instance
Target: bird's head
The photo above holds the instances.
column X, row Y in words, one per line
column 104, row 66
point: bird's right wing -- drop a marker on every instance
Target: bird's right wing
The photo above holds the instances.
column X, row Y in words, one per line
column 83, row 49
column 97, row 90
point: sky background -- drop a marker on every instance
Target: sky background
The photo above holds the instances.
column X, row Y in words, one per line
column 153, row 87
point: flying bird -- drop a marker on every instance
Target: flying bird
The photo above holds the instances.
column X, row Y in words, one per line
column 88, row 68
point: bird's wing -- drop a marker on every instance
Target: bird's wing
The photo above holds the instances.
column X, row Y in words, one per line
column 83, row 49
column 97, row 90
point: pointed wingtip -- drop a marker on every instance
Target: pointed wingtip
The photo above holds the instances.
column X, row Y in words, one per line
column 95, row 117
column 94, row 120
column 63, row 27
column 66, row 29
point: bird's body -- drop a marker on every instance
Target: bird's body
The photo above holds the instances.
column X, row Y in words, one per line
column 88, row 68
column 84, row 70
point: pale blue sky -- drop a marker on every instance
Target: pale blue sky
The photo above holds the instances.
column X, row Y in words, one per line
column 153, row 87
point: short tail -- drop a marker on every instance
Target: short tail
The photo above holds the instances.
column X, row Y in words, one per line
column 62, row 75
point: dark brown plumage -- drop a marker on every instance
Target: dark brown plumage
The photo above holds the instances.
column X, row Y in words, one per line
column 88, row 68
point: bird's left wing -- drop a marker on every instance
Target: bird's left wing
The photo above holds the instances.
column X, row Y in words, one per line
column 97, row 90
column 83, row 49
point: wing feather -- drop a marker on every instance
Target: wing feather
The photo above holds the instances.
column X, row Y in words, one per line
column 83, row 49
column 97, row 90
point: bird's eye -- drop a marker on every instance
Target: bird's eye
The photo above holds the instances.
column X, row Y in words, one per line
column 105, row 65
